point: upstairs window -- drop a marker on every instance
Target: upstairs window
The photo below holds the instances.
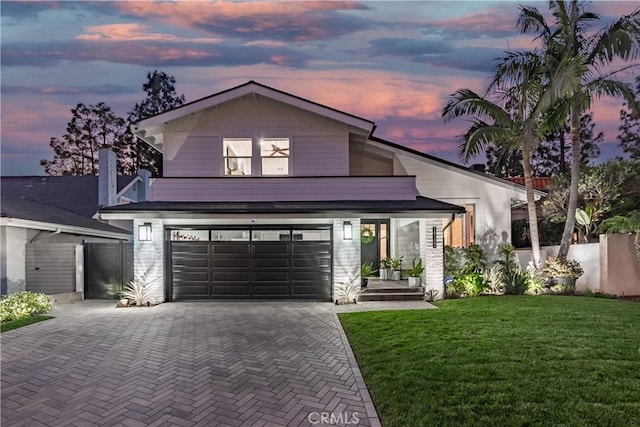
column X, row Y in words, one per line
column 237, row 156
column 274, row 154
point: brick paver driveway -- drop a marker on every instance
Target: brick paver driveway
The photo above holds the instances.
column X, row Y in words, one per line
column 201, row 363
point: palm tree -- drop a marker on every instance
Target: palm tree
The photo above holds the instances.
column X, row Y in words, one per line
column 570, row 37
column 523, row 93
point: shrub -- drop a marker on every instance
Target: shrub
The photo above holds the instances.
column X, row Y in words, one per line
column 470, row 284
column 560, row 267
column 536, row 280
column 516, row 282
column 138, row 290
column 476, row 260
column 453, row 261
column 23, row 305
column 494, row 279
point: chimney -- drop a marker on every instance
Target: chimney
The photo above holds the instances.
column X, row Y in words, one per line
column 107, row 178
column 143, row 188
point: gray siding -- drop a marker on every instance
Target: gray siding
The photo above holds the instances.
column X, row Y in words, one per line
column 51, row 268
column 194, row 155
column 321, row 155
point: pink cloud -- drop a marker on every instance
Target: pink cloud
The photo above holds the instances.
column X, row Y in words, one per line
column 131, row 32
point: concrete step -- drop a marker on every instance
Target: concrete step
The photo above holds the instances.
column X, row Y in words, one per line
column 404, row 289
column 394, row 296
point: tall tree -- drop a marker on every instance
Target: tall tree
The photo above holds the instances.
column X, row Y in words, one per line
column 517, row 120
column 91, row 127
column 160, row 96
column 630, row 130
column 570, row 37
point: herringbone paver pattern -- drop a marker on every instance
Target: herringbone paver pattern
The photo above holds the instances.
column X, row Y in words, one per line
column 183, row 364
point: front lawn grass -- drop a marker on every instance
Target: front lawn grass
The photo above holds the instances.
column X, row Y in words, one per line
column 514, row 360
column 15, row 324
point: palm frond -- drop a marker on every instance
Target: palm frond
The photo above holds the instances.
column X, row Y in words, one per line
column 620, row 40
column 531, row 19
column 479, row 135
column 465, row 102
column 614, row 88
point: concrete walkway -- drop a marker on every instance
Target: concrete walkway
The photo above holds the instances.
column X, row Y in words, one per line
column 186, row 364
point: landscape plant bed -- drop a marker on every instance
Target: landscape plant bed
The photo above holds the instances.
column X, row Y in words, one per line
column 510, row 360
column 15, row 324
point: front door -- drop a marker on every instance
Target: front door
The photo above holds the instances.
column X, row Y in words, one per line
column 374, row 241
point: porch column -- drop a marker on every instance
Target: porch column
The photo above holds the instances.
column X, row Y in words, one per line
column 148, row 257
column 346, row 253
column 433, row 257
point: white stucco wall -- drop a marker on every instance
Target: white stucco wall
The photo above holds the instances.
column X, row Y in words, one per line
column 12, row 258
column 492, row 200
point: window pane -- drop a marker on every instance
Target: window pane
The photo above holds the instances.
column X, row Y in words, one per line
column 230, row 235
column 192, row 235
column 275, row 166
column 317, row 235
column 237, row 156
column 274, row 147
column 270, row 235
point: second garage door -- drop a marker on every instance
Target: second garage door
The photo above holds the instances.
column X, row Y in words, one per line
column 282, row 262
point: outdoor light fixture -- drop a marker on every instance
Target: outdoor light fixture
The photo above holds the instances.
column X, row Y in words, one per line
column 434, row 236
column 144, row 232
column 347, row 230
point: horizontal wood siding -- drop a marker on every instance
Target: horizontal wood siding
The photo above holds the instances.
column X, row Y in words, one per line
column 283, row 189
column 321, row 155
column 51, row 268
column 192, row 145
column 196, row 156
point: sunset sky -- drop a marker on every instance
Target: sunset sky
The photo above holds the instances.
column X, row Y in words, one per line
column 394, row 63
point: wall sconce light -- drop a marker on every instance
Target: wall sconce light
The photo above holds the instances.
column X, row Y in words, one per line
column 144, row 232
column 347, row 230
column 434, row 236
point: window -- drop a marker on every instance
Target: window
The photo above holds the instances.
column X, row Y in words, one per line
column 274, row 153
column 237, row 156
column 461, row 233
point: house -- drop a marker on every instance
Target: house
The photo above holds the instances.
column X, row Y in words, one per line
column 44, row 218
column 268, row 195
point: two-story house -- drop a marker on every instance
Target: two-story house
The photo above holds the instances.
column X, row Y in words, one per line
column 266, row 195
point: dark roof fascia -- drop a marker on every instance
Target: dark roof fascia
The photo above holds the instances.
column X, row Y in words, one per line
column 282, row 207
column 451, row 164
column 252, row 82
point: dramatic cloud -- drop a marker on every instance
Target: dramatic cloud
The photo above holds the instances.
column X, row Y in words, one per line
column 150, row 53
column 135, row 32
column 396, row 46
column 493, row 23
column 289, row 21
column 478, row 59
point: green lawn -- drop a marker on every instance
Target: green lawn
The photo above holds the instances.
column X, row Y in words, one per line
column 15, row 324
column 519, row 360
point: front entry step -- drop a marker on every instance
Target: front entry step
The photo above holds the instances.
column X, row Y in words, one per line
column 399, row 293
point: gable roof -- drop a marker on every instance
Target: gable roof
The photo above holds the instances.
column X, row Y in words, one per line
column 145, row 128
column 76, row 194
column 20, row 209
column 450, row 165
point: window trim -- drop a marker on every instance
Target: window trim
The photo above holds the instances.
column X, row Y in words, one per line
column 226, row 158
column 288, row 157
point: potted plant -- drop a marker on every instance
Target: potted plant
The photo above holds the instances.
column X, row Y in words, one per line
column 385, row 267
column 396, row 264
column 415, row 272
column 562, row 271
column 366, row 270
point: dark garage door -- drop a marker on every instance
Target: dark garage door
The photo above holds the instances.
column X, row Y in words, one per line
column 280, row 262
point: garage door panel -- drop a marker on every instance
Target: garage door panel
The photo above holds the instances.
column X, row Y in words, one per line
column 270, row 289
column 271, row 248
column 312, row 262
column 227, row 262
column 262, row 263
column 231, row 289
column 228, row 248
column 251, row 269
column 189, row 248
column 307, row 248
column 186, row 262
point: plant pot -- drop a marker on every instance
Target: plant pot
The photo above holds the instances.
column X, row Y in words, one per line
column 396, row 275
column 364, row 282
column 414, row 281
column 384, row 274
